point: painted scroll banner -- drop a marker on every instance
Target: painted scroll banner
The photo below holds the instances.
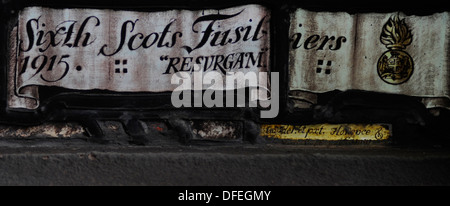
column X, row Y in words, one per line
column 130, row 51
column 390, row 53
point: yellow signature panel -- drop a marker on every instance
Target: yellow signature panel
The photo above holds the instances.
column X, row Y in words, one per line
column 327, row 131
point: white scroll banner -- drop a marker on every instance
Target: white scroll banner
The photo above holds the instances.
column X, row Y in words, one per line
column 382, row 52
column 130, row 51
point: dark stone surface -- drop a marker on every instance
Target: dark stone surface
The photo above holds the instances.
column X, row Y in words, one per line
column 79, row 163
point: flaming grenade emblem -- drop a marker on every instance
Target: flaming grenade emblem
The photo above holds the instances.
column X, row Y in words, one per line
column 395, row 66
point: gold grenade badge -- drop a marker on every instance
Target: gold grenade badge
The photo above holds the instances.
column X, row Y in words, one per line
column 395, row 66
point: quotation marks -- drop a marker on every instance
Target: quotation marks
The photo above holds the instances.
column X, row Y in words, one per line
column 320, row 64
column 118, row 69
column 164, row 58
